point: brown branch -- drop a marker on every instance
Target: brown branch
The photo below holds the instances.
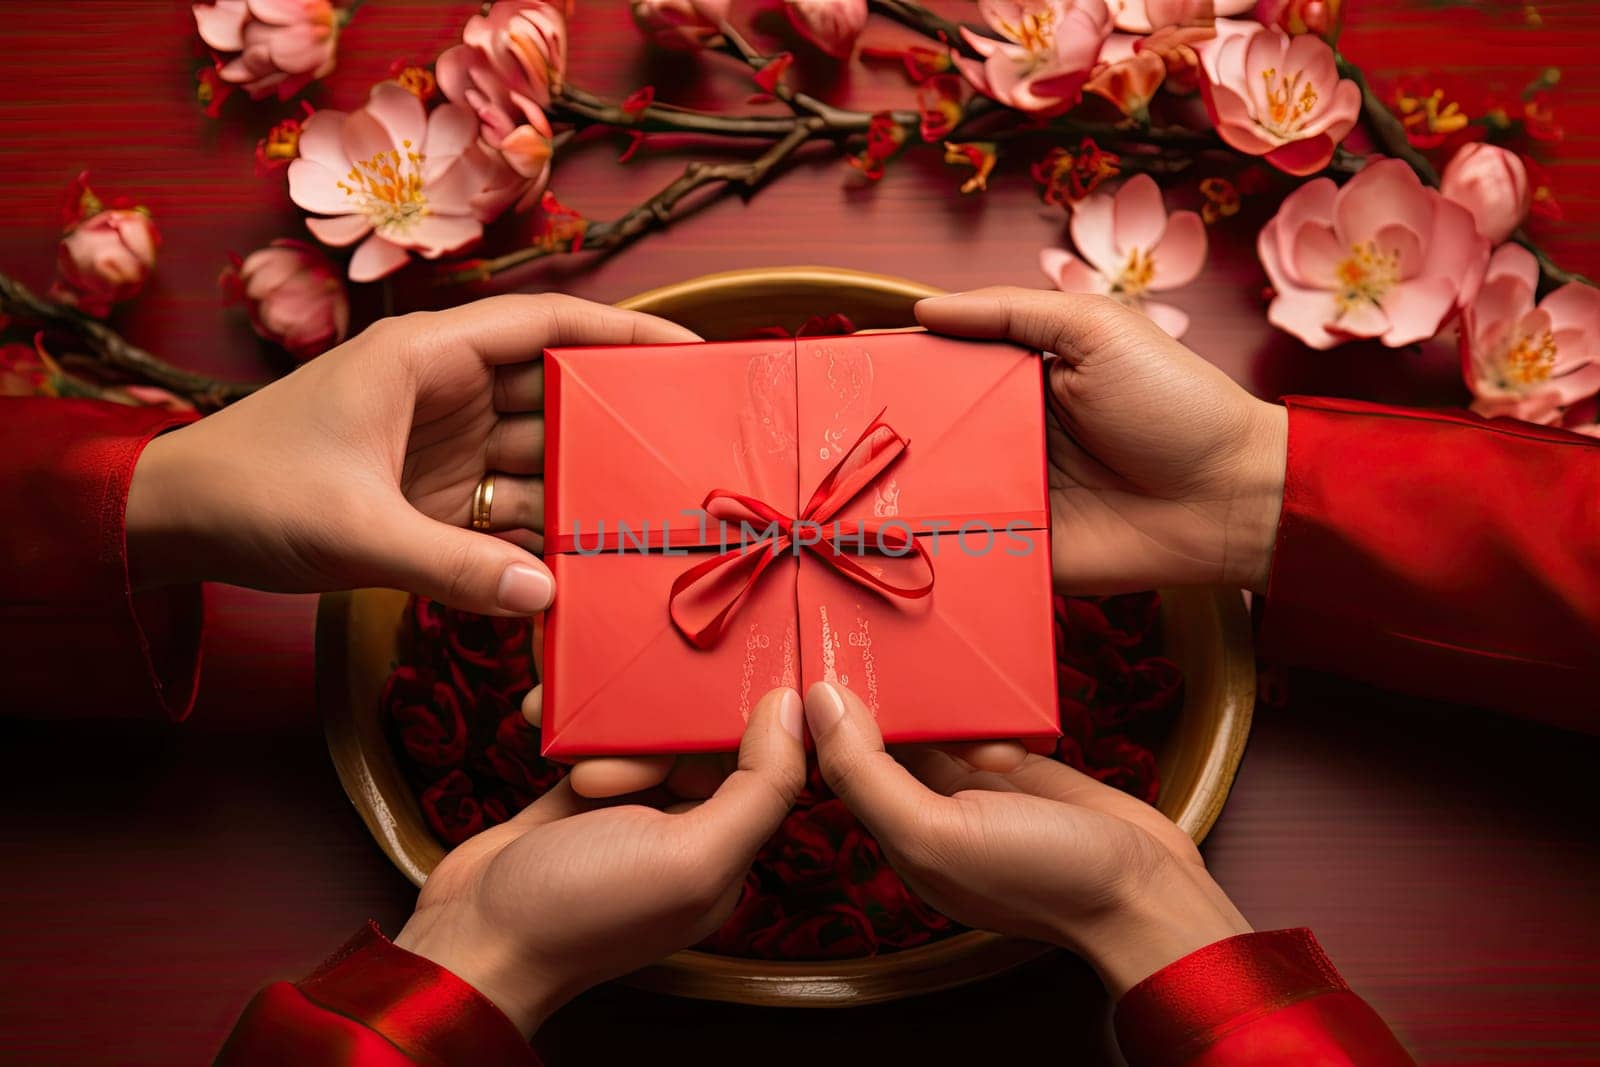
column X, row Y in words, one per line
column 112, row 351
column 658, row 118
column 803, row 104
column 659, row 210
column 924, row 22
column 1390, row 131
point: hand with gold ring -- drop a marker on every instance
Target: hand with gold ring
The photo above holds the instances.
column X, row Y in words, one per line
column 411, row 456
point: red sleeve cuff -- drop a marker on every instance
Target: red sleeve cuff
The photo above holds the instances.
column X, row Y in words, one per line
column 374, row 1004
column 1441, row 554
column 416, row 1004
column 65, row 596
column 1260, row 998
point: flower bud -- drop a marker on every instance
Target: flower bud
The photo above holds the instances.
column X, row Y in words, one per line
column 1492, row 183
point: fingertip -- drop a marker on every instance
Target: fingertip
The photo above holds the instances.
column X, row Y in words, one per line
column 533, row 706
column 1000, row 757
column 824, row 708
column 614, row 776
column 526, row 588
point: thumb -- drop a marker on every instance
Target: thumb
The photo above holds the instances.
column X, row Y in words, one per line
column 1071, row 325
column 749, row 806
column 882, row 793
column 464, row 569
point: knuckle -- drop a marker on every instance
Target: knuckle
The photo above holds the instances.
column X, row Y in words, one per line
column 455, row 567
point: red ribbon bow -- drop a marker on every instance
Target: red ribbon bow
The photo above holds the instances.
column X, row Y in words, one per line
column 724, row 581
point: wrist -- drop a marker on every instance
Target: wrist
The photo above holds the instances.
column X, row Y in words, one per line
column 522, row 993
column 1157, row 921
column 157, row 518
column 1251, row 528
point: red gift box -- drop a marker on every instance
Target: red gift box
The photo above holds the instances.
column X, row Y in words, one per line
column 725, row 518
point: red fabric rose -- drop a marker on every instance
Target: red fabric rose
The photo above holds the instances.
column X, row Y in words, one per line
column 428, row 713
column 834, row 930
column 455, row 812
column 1125, row 765
column 514, row 757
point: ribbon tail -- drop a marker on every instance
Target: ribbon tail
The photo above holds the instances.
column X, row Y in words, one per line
column 709, row 581
column 850, row 567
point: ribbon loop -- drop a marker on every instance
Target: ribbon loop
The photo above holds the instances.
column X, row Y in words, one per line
column 705, row 597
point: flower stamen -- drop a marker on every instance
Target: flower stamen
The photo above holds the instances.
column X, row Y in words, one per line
column 1289, row 102
column 1529, row 362
column 388, row 188
column 1366, row 275
column 1036, row 32
column 1136, row 275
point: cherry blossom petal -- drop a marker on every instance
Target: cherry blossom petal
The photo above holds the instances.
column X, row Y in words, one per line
column 1139, row 217
column 1169, row 318
column 365, row 138
column 295, row 49
column 1311, row 204
column 437, row 235
column 375, row 259
column 1514, row 261
column 1071, row 274
column 1302, row 157
column 1574, row 306
column 1416, row 309
column 1317, row 256
column 451, row 192
column 221, row 24
column 286, row 12
column 1093, row 229
column 1361, row 319
column 401, row 114
column 1388, row 191
column 1181, row 254
column 316, row 188
column 339, row 230
column 1231, row 116
column 321, row 141
column 451, row 128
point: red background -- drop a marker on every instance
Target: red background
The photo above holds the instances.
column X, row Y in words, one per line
column 154, row 877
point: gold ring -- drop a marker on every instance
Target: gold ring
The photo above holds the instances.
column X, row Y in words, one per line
column 482, row 501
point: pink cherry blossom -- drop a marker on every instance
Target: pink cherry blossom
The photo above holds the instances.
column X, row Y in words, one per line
column 1146, row 16
column 504, row 71
column 1300, row 16
column 1278, row 96
column 105, row 259
column 1384, row 257
column 294, row 296
column 1047, row 51
column 1131, row 246
column 831, row 25
column 681, row 25
column 401, row 178
column 1529, row 361
column 1492, row 183
column 267, row 46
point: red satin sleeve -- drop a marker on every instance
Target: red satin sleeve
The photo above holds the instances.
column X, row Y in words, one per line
column 1443, row 555
column 375, row 1005
column 1252, row 1001
column 74, row 637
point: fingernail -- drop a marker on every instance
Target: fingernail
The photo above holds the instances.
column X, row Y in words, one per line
column 525, row 590
column 791, row 716
column 824, row 707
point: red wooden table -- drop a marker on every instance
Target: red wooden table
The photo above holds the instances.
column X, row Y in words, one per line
column 155, row 876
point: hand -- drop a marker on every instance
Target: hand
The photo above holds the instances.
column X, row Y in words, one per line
column 359, row 468
column 1042, row 852
column 571, row 893
column 699, row 775
column 1163, row 471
